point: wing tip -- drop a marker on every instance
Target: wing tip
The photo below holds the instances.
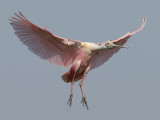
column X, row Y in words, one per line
column 18, row 16
column 144, row 20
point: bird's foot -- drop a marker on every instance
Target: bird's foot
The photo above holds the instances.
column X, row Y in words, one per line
column 70, row 100
column 84, row 101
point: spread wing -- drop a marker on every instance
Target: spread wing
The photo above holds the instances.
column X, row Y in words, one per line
column 43, row 43
column 102, row 56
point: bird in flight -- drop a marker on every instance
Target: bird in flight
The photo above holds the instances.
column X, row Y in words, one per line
column 84, row 56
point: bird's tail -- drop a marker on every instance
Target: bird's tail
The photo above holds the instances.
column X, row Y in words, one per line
column 66, row 77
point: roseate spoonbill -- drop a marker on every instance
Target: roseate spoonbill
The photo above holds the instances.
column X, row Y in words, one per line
column 85, row 56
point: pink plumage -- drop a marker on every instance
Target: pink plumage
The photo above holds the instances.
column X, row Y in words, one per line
column 104, row 55
column 85, row 56
column 43, row 43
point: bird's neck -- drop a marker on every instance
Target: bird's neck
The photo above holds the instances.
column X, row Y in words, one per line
column 92, row 47
column 99, row 47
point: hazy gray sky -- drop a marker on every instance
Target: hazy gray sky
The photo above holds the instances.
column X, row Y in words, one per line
column 127, row 87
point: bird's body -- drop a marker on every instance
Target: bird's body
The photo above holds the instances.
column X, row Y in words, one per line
column 85, row 56
column 83, row 60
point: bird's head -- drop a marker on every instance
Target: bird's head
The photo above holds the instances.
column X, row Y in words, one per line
column 109, row 44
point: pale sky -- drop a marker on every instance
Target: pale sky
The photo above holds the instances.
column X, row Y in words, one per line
column 127, row 87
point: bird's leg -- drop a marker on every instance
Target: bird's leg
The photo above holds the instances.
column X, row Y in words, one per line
column 71, row 95
column 84, row 101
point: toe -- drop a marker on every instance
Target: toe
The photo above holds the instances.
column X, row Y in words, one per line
column 84, row 102
column 70, row 100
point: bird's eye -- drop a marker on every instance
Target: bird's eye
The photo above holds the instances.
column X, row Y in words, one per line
column 107, row 44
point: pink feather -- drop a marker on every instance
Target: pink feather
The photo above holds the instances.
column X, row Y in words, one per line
column 43, row 43
column 102, row 56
